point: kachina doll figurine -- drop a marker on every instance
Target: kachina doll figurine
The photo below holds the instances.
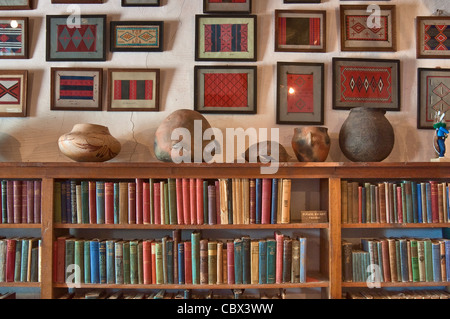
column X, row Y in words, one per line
column 441, row 134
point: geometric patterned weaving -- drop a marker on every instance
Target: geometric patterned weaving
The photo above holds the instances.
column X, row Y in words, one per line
column 76, row 87
column 10, row 90
column 437, row 38
column 11, row 39
column 299, row 31
column 82, row 39
column 226, row 38
column 133, row 89
column 226, row 90
column 300, row 95
column 135, row 36
column 438, row 92
column 357, row 29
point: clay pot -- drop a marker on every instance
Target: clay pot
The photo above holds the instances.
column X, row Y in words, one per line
column 366, row 135
column 265, row 149
column 184, row 119
column 89, row 143
column 311, row 143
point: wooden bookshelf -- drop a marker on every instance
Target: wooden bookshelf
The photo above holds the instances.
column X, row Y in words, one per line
column 329, row 175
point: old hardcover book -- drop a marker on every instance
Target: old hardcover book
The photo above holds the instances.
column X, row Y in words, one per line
column 286, row 201
column 165, row 212
column 287, row 260
column 252, row 201
column 92, row 202
column 139, row 182
column 131, row 203
column 109, row 202
column 17, row 201
column 203, row 261
column 123, row 203
column 176, row 237
column 199, row 198
column 254, row 262
column 172, row 199
column 347, row 267
column 230, row 262
column 230, row 200
column 205, row 202
column 344, row 201
column 193, row 200
column 134, row 262
column 266, row 200
column 421, row 259
column 151, row 186
column 258, row 200
column 212, row 262
column 169, row 261
column 147, row 261
column 212, row 216
column 159, row 270
column 181, row 266
column 146, row 203
column 238, row 261
column 29, row 201
column 295, row 264
column 219, row 263
column 434, row 202
column 245, row 200
column 179, row 200
column 382, row 201
column 274, row 201
column 87, row 262
column 440, row 202
column 279, row 237
column 126, row 262
column 195, row 249
column 188, row 262
column 271, row 260
column 262, row 251
column 442, row 255
column 217, row 191
column 157, row 202
column 100, row 201
column 303, row 254
column 186, row 201
column 246, row 259
column 223, row 188
column 102, row 261
column 69, row 258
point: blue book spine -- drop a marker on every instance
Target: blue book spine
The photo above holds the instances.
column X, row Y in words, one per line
column 100, row 202
column 428, row 197
column 116, row 202
column 262, row 262
column 180, row 263
column 94, row 258
column 302, row 259
column 102, row 261
column 436, row 257
column 447, row 257
column 404, row 259
column 414, row 202
column 258, row 204
column 274, row 202
column 363, row 205
column 169, row 262
column 271, row 260
column 110, row 262
column 238, row 261
column 419, row 204
column 195, row 252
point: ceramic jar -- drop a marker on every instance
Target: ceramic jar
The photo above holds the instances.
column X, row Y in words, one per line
column 366, row 135
column 311, row 143
column 89, row 143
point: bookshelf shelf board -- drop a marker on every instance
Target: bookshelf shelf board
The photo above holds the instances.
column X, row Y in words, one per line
column 398, row 284
column 21, row 284
column 391, row 225
column 20, row 226
column 171, row 227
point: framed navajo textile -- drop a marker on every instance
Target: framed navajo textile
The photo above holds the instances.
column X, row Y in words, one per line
column 76, row 89
column 133, row 89
column 301, row 1
column 433, row 37
column 229, row 6
column 13, row 38
column 433, row 93
column 300, row 93
column 137, row 36
column 15, row 4
column 300, row 31
column 13, row 93
column 225, row 89
column 76, row 39
column 366, row 82
column 363, row 29
column 77, row 1
column 140, row 3
column 225, row 38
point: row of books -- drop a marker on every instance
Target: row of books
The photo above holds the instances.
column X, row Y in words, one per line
column 169, row 260
column 20, row 201
column 174, row 201
column 413, row 294
column 20, row 259
column 395, row 202
column 397, row 260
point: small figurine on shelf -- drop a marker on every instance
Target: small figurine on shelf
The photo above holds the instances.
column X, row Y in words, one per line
column 441, row 133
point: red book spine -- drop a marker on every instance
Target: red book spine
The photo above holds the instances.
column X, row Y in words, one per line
column 186, row 202
column 230, row 262
column 37, row 202
column 199, row 189
column 266, row 200
column 180, row 207
column 434, row 202
column 131, row 203
column 188, row 262
column 359, row 204
column 92, row 203
column 17, row 201
column 279, row 257
column 109, row 203
column 157, row 203
column 147, row 261
column 386, row 265
column 55, row 260
column 193, row 200
column 216, row 183
column 139, row 201
column 252, row 197
column 146, row 202
column 10, row 202
column 24, row 203
column 153, row 257
column 399, row 205
column 10, row 259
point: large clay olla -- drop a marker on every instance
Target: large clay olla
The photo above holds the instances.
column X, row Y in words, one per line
column 262, row 153
column 89, row 143
column 366, row 135
column 311, row 143
column 180, row 119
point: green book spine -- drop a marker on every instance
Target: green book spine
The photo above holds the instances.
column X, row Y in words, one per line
column 159, row 263
column 414, row 261
column 398, row 259
column 87, row 262
column 238, row 261
column 34, row 263
column 164, row 257
column 404, row 206
column 152, row 208
column 134, row 279
column 70, row 257
column 287, row 260
column 110, row 262
column 118, row 262
column 126, row 262
column 368, row 205
column 102, row 261
column 172, row 200
column 85, row 202
column 205, row 202
column 169, row 262
column 57, row 202
column 262, row 261
column 421, row 259
column 195, row 251
column 78, row 203
column 140, row 263
column 116, row 202
column 271, row 260
column 428, row 260
column 295, row 266
column 2, row 260
column 246, row 266
column 24, row 260
column 166, row 204
column 100, row 194
column 79, row 261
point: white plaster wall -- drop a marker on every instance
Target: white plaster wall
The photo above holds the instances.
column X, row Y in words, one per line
column 34, row 138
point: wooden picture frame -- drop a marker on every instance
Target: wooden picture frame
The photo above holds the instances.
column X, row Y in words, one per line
column 15, row 5
column 300, row 30
column 366, row 82
column 14, row 38
column 69, row 39
column 211, row 45
column 133, row 90
column 141, row 3
column 225, row 89
column 433, row 94
column 300, row 93
column 359, row 32
column 76, row 89
column 13, row 93
column 432, row 35
column 227, row 7
column 144, row 36
column 76, row 1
